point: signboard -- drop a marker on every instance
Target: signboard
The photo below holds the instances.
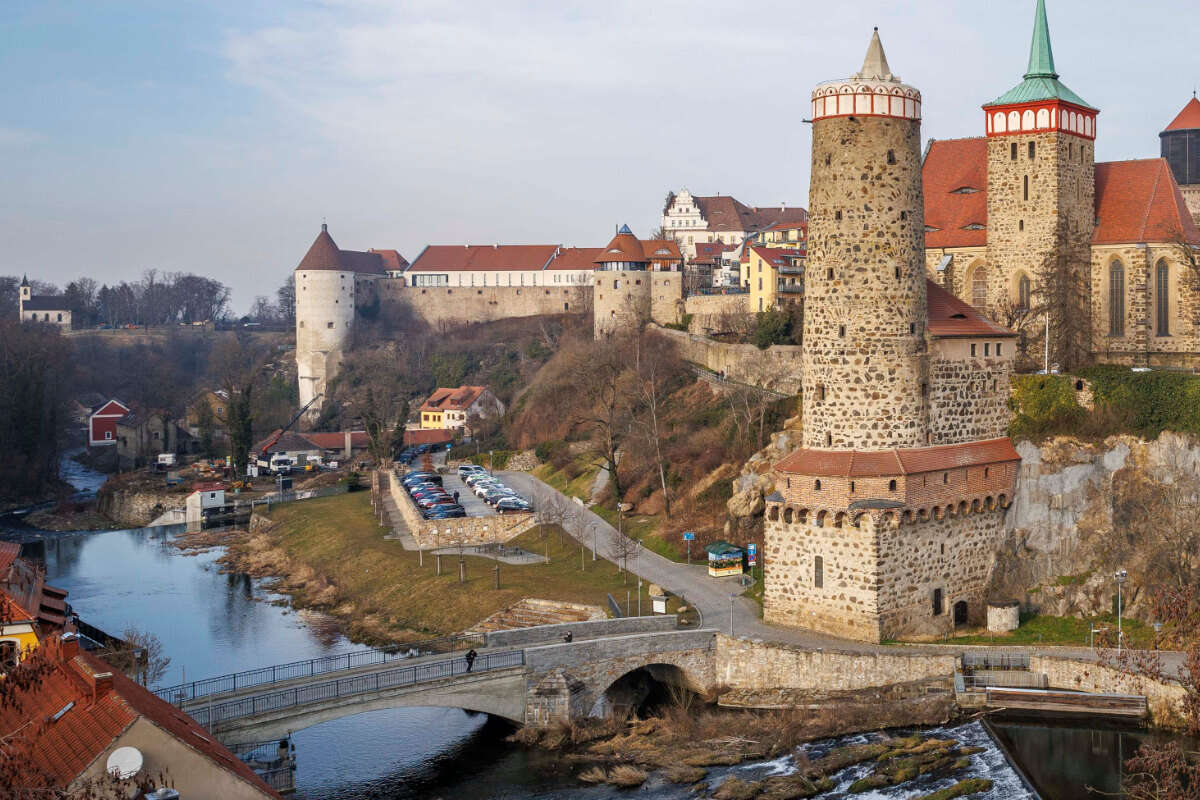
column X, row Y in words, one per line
column 752, row 553
column 688, row 536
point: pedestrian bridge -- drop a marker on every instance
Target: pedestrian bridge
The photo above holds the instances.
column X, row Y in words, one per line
column 528, row 675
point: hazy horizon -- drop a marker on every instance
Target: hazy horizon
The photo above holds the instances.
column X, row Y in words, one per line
column 215, row 140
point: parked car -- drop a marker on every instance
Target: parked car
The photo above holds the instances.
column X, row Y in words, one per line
column 444, row 512
column 512, row 504
column 422, row 477
column 495, row 495
column 482, row 489
column 467, row 470
column 471, row 480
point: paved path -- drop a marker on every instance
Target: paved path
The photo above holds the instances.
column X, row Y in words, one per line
column 473, row 505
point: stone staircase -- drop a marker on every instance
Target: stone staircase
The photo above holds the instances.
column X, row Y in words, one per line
column 531, row 612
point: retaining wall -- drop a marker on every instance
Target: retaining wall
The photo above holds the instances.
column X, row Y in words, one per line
column 1165, row 700
column 433, row 533
column 778, row 367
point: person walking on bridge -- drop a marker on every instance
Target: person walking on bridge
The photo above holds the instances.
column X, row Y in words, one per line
column 470, row 658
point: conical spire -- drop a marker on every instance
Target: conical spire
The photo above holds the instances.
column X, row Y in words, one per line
column 1041, row 56
column 25, row 280
column 875, row 65
column 323, row 254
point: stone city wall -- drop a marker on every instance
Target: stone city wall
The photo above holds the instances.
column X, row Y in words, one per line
column 434, row 533
column 458, row 305
column 1165, row 700
column 709, row 311
column 745, row 664
column 777, row 368
column 968, row 396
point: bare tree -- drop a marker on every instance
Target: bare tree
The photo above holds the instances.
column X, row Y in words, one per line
column 659, row 369
column 602, row 402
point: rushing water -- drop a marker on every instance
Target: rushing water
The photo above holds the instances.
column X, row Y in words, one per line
column 212, row 623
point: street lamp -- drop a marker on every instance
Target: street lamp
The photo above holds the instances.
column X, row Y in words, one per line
column 593, row 540
column 1121, row 576
column 732, row 597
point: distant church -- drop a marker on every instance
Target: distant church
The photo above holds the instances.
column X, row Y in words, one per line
column 1022, row 222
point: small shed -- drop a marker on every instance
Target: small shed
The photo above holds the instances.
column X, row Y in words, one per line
column 724, row 559
column 207, row 498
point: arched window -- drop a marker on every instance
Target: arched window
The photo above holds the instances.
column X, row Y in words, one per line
column 979, row 287
column 1116, row 299
column 1161, row 299
column 1024, row 290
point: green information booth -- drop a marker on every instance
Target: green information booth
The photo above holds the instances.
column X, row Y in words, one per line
column 724, row 559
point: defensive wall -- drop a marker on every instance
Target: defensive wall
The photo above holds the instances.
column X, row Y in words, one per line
column 779, row 367
column 747, row 664
column 710, row 311
column 459, row 305
column 434, row 533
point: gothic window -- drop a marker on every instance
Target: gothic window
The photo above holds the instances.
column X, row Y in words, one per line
column 1024, row 288
column 819, row 572
column 979, row 288
column 1161, row 299
column 1116, row 299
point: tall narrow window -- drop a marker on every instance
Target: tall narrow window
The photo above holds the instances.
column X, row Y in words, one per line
column 819, row 572
column 937, row 597
column 1116, row 299
column 1013, row 152
column 1026, row 187
column 891, row 156
column 1023, row 291
column 1032, row 151
column 979, row 288
column 1162, row 286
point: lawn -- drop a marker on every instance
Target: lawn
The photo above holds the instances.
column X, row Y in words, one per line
column 340, row 540
column 1037, row 629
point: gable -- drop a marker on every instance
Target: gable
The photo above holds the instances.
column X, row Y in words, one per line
column 112, row 408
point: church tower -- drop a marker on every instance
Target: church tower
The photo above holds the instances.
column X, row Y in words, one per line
column 1041, row 199
column 865, row 361
column 1181, row 148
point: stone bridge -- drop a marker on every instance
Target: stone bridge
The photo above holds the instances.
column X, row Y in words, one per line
column 529, row 676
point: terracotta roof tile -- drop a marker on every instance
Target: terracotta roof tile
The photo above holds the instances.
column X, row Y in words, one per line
column 954, row 176
column 8, row 554
column 661, row 249
column 391, row 259
column 576, row 258
column 727, row 214
column 1188, row 118
column 323, row 254
column 948, row 317
column 624, row 248
column 493, row 258
column 1139, row 201
column 457, row 399
column 867, row 464
column 428, row 436
column 336, row 440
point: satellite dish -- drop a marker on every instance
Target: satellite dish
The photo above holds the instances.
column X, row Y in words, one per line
column 125, row 762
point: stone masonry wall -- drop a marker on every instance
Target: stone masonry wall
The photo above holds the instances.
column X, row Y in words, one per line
column 666, row 297
column 621, row 299
column 458, row 305
column 865, row 359
column 1163, row 699
column 434, row 533
column 1056, row 221
column 709, row 310
column 745, row 664
column 778, row 368
column 969, row 395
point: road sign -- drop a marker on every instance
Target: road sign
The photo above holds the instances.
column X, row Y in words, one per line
column 688, row 536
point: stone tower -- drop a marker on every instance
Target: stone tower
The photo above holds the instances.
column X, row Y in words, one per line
column 325, row 297
column 865, row 371
column 886, row 520
column 1181, row 149
column 622, row 285
column 1041, row 198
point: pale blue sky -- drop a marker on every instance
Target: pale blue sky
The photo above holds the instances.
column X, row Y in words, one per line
column 213, row 137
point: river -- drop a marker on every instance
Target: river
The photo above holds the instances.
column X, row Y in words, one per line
column 212, row 623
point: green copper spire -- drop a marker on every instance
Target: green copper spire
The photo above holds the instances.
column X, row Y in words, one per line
column 1041, row 56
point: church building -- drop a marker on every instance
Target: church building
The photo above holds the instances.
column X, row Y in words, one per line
column 1026, row 227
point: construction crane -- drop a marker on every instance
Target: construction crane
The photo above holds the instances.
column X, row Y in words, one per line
column 263, row 454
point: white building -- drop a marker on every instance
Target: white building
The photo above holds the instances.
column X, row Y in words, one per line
column 50, row 309
column 689, row 219
column 482, row 265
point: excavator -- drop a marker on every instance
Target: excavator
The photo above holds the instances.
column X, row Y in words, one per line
column 279, row 463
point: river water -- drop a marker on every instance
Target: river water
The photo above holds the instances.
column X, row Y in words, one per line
column 212, row 623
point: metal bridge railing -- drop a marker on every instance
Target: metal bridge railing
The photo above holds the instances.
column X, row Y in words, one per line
column 265, row 676
column 354, row 685
column 994, row 659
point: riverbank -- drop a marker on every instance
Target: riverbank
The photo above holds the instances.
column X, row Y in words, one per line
column 330, row 554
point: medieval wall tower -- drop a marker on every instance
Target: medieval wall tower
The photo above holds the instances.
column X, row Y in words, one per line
column 1041, row 198
column 865, row 370
column 886, row 520
column 325, row 298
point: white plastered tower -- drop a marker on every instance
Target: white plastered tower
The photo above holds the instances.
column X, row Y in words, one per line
column 324, row 316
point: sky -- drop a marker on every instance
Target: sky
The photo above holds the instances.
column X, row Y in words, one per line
column 214, row 137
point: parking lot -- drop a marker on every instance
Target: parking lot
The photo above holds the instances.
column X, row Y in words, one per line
column 474, row 506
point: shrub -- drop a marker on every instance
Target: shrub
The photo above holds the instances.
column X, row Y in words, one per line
column 683, row 325
column 1045, row 404
column 546, row 451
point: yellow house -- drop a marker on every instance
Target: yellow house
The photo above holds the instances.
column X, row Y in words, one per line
column 29, row 609
column 18, row 635
column 431, row 418
column 774, row 276
column 785, row 234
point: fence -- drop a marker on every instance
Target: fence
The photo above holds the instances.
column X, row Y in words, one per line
column 355, row 685
column 994, row 659
column 999, row 678
column 266, row 676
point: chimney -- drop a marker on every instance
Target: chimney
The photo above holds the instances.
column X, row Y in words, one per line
column 102, row 684
column 70, row 646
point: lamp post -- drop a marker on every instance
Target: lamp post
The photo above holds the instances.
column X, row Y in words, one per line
column 1121, row 576
column 593, row 541
column 731, row 599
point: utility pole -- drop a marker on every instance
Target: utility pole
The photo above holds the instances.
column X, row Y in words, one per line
column 731, row 599
column 593, row 541
column 1121, row 576
column 438, row 557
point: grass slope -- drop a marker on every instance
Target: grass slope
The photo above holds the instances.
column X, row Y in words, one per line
column 339, row 539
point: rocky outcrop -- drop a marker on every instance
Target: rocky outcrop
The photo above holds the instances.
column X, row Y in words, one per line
column 136, row 507
column 1061, row 512
column 751, row 487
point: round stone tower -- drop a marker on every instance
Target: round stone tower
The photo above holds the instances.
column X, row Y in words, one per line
column 865, row 357
column 621, row 285
column 324, row 315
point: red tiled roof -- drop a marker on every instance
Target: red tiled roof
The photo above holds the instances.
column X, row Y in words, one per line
column 1188, row 118
column 493, row 258
column 724, row 213
column 24, row 585
column 624, row 247
column 777, row 256
column 661, row 250
column 336, row 440
column 868, row 464
column 429, row 436
column 391, row 259
column 459, row 399
column 8, row 554
column 93, row 715
column 323, row 254
column 1139, row 201
column 952, row 166
column 575, row 258
column 948, row 317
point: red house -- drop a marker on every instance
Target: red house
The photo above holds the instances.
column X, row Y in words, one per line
column 102, row 423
